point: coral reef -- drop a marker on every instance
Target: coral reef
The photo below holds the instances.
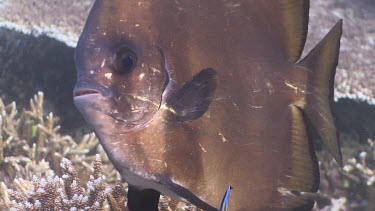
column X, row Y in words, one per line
column 65, row 192
column 31, row 138
column 353, row 186
column 50, row 17
column 31, row 146
column 30, row 64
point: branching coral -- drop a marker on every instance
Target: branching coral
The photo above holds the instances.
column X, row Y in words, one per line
column 66, row 192
column 29, row 138
column 353, row 187
column 31, row 145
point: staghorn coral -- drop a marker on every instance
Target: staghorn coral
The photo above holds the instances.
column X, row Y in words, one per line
column 351, row 187
column 168, row 204
column 32, row 137
column 30, row 144
column 65, row 192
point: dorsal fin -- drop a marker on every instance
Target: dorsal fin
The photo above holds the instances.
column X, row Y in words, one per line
column 295, row 19
column 322, row 61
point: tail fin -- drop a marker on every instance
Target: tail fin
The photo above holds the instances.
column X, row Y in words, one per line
column 322, row 61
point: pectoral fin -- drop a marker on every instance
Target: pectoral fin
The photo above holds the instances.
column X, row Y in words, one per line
column 194, row 98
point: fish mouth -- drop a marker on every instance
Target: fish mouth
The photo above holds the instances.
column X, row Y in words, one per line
column 85, row 92
column 86, row 88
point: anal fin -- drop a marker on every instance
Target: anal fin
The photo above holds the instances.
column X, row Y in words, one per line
column 303, row 174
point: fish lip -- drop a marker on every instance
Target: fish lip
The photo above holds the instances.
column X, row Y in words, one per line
column 85, row 87
column 85, row 93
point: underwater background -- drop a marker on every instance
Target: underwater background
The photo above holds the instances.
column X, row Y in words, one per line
column 47, row 153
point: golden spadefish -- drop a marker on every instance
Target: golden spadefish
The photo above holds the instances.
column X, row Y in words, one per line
column 188, row 97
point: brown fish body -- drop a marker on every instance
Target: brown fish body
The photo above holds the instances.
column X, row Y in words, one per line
column 253, row 135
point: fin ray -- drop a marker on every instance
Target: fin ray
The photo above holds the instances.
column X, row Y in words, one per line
column 295, row 15
column 303, row 176
column 322, row 61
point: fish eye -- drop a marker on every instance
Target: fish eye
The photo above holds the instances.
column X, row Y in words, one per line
column 126, row 60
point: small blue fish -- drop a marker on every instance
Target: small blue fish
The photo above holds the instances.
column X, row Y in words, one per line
column 225, row 202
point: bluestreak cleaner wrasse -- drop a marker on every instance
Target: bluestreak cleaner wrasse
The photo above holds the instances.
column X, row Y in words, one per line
column 225, row 202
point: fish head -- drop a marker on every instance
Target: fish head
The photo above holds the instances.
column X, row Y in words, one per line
column 127, row 92
column 120, row 70
column 122, row 84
